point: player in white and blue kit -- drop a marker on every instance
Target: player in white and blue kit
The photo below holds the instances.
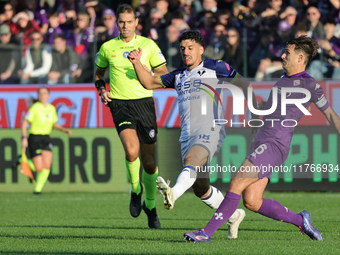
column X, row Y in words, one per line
column 199, row 139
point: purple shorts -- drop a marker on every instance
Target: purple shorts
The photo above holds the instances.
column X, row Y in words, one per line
column 266, row 155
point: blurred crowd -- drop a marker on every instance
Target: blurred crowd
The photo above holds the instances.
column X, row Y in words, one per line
column 55, row 41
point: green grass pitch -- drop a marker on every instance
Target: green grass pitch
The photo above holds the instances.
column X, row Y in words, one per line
column 99, row 223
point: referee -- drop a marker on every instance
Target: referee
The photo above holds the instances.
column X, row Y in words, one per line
column 42, row 117
column 132, row 107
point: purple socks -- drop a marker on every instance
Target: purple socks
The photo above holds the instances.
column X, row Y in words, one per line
column 223, row 213
column 273, row 209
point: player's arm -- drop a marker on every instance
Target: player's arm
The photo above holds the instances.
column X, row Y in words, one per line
column 24, row 142
column 332, row 118
column 148, row 80
column 65, row 130
column 100, row 86
column 244, row 84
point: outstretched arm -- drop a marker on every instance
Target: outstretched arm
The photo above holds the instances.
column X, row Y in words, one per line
column 65, row 130
column 332, row 118
column 148, row 80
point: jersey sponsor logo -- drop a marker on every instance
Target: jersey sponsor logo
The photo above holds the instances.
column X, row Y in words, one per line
column 124, row 123
column 125, row 54
column 113, row 56
column 152, row 133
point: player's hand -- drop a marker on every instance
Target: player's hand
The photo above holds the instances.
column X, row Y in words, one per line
column 68, row 131
column 135, row 55
column 24, row 143
column 105, row 97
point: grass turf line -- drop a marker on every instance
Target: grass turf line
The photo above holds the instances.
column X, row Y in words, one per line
column 100, row 223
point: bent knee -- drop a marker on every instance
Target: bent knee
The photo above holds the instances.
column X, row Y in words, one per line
column 252, row 204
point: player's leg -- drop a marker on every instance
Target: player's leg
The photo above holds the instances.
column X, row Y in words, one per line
column 228, row 206
column 125, row 122
column 213, row 197
column 130, row 144
column 193, row 157
column 149, row 176
column 43, row 163
column 254, row 201
column 147, row 134
column 150, row 173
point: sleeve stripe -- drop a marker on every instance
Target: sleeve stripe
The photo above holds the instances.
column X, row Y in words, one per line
column 237, row 74
column 155, row 67
column 161, row 82
column 102, row 68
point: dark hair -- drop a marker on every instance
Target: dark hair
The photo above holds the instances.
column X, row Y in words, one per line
column 192, row 35
column 305, row 44
column 329, row 21
column 125, row 8
column 59, row 36
column 33, row 100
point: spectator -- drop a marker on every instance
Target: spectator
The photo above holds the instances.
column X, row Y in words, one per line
column 207, row 25
column 271, row 66
column 234, row 52
column 54, row 27
column 269, row 17
column 171, row 50
column 38, row 61
column 216, row 48
column 40, row 15
column 163, row 6
column 328, row 66
column 82, row 35
column 300, row 29
column 66, row 65
column 261, row 51
column 188, row 10
column 315, row 28
column 224, row 18
column 9, row 51
column 179, row 22
column 155, row 29
column 289, row 15
column 111, row 28
column 210, row 5
column 22, row 28
column 8, row 14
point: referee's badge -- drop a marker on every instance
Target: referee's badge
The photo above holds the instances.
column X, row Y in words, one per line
column 125, row 54
column 152, row 133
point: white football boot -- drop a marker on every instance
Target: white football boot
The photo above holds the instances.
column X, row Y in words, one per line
column 233, row 226
column 166, row 192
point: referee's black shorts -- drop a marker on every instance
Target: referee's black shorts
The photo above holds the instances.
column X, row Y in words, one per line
column 38, row 143
column 138, row 114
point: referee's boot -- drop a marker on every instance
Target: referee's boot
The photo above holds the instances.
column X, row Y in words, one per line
column 153, row 220
column 136, row 202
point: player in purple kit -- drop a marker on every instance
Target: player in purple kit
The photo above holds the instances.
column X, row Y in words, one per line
column 271, row 146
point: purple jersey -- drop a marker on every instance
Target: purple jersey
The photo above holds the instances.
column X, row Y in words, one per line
column 274, row 130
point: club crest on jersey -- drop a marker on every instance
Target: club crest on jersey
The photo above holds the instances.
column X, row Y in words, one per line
column 152, row 133
column 125, row 54
column 296, row 82
column 201, row 72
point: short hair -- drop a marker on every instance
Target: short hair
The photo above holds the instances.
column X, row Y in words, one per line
column 192, row 35
column 61, row 36
column 126, row 8
column 305, row 44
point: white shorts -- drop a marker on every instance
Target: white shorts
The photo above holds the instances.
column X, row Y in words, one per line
column 211, row 141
